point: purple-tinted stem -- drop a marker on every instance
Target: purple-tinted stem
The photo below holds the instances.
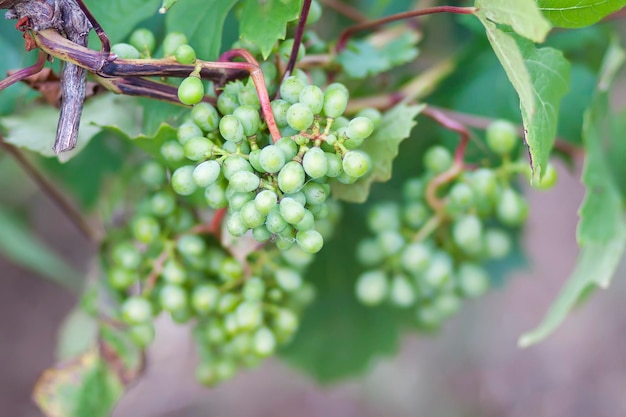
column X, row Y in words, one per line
column 297, row 39
column 25, row 72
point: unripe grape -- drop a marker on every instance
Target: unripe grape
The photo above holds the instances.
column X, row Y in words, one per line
column 235, row 225
column 189, row 130
column 460, row 197
column 136, row 310
column 275, row 222
column 146, row 229
column 437, row 159
column 511, row 208
column 234, row 164
column 315, row 13
column 371, row 113
column 182, row 180
column 356, row 164
column 290, row 89
column 285, row 324
column 402, row 293
column 291, row 177
column 315, row 193
column 125, row 51
column 198, row 149
column 284, row 243
column 272, row 158
column 206, row 173
column 172, row 41
column 205, row 116
column 307, row 222
column 391, row 242
column 335, row 101
column 291, row 210
column 384, row 217
column 264, row 342
column 298, row 196
column 279, row 109
column 415, row 215
column 121, row 278
column 153, row 174
column 190, row 245
column 428, row 316
column 289, row 147
column 299, row 116
column 313, row 97
column 174, row 273
column 248, row 96
column 204, row 298
column 467, row 233
column 415, row 258
column 244, row 181
column 372, row 287
column 253, row 289
column 173, row 152
column 360, row 128
column 231, row 129
column 191, row 91
column 413, row 189
column 548, row 180
column 227, row 103
column 173, row 298
column 439, row 271
column 126, row 255
column 315, row 163
column 334, row 165
column 261, row 234
column 285, row 50
column 497, row 244
column 447, row 304
column 249, row 315
column 502, row 137
column 251, row 216
column 215, row 196
column 265, row 201
column 297, row 258
column 249, row 118
column 142, row 334
column 310, row 241
column 485, row 185
column 185, row 55
column 473, row 281
column 346, row 179
column 288, row 279
column 368, row 252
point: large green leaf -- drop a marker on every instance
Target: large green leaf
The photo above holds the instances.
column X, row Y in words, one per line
column 18, row 244
column 602, row 226
column 202, row 21
column 578, row 13
column 265, row 22
column 382, row 147
column 339, row 337
column 522, row 15
column 119, row 17
column 35, row 128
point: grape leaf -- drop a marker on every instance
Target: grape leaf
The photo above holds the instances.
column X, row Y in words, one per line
column 602, row 226
column 578, row 13
column 362, row 58
column 18, row 244
column 265, row 22
column 119, row 17
column 522, row 15
column 340, row 337
column 382, row 147
column 35, row 128
column 202, row 21
column 150, row 144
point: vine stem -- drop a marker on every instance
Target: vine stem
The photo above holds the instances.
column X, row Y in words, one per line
column 345, row 9
column 297, row 39
column 67, row 208
column 345, row 36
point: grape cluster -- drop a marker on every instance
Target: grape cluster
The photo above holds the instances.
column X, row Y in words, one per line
column 430, row 257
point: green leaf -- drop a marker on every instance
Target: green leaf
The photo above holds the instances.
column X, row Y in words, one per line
column 361, row 58
column 522, row 15
column 77, row 334
column 150, row 144
column 35, row 128
column 157, row 112
column 119, row 17
column 18, row 244
column 578, row 13
column 202, row 21
column 382, row 147
column 549, row 72
column 340, row 337
column 265, row 22
column 602, row 227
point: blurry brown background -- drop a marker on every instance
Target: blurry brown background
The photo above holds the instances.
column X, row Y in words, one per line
column 473, row 368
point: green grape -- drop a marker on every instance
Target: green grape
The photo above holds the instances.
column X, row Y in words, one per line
column 265, row 201
column 307, row 222
column 279, row 109
column 428, row 316
column 172, row 298
column 182, row 180
column 253, row 289
column 340, row 122
column 205, row 116
column 310, row 241
column 248, row 96
column 121, row 278
column 548, row 180
column 143, row 40
column 237, row 200
column 335, row 101
column 272, row 158
column 234, row 164
column 230, row 269
column 460, row 197
column 334, row 165
column 244, row 181
column 299, row 116
column 190, row 245
column 467, row 233
column 227, row 303
column 313, row 97
column 125, row 51
column 152, row 174
column 284, row 51
column 447, row 304
column 368, row 252
column 185, row 55
column 275, row 222
column 227, row 103
column 288, row 279
column 285, row 243
column 390, row 242
column 249, row 118
column 270, row 73
column 181, row 220
column 372, row 287
column 198, row 149
column 215, row 196
column 204, row 298
column 413, row 189
column 261, row 234
column 142, row 334
column 439, row 270
column 473, row 281
column 174, row 273
column 298, row 196
column 264, row 342
column 206, row 173
column 437, row 159
column 356, row 164
column 415, row 215
column 360, row 128
column 315, row 194
column 231, row 325
column 136, row 310
column 206, row 374
column 315, row 163
column 291, row 177
column 484, row 183
column 383, row 217
column 285, row 324
column 126, row 255
column 497, row 244
column 173, row 152
column 250, row 216
column 346, row 179
column 249, row 315
column 189, row 130
column 502, row 137
column 511, row 209
column 291, row 210
column 231, row 128
column 172, row 41
column 235, row 225
column 415, row 258
column 146, row 229
column 373, row 114
column 401, row 292
column 290, row 89
column 191, row 91
column 254, row 157
column 297, row 258
column 289, row 147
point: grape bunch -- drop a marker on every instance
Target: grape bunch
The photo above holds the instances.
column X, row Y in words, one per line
column 429, row 257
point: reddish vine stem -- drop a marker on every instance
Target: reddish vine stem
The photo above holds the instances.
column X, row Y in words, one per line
column 345, row 36
column 25, row 72
column 297, row 39
column 49, row 189
column 157, row 268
